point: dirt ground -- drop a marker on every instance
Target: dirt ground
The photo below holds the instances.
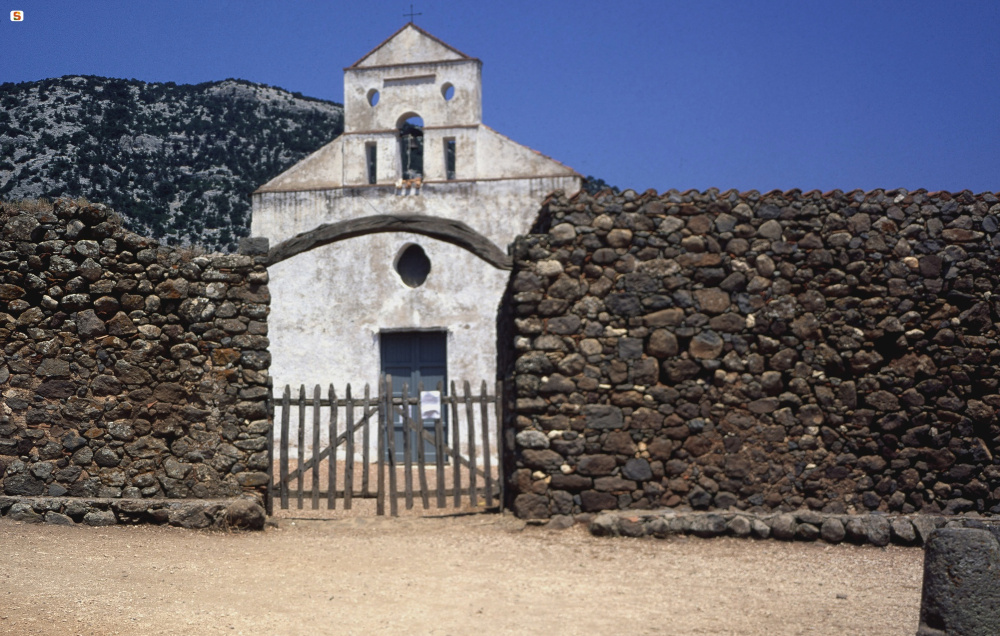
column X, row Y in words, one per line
column 473, row 574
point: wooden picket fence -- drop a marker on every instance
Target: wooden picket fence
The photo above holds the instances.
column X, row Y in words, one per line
column 457, row 451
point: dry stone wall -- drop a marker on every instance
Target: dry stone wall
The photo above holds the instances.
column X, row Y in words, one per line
column 770, row 352
column 130, row 370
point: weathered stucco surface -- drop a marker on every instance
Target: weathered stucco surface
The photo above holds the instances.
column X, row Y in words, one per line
column 325, row 325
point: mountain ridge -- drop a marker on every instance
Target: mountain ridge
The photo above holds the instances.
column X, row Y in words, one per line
column 177, row 161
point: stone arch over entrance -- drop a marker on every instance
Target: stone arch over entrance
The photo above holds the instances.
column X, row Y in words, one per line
column 448, row 230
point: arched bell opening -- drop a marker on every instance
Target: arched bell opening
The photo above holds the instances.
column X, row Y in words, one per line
column 411, row 146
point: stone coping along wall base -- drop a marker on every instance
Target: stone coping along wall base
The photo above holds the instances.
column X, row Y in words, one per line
column 242, row 512
column 803, row 525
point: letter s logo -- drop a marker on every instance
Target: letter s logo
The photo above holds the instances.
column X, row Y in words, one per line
column 16, row 16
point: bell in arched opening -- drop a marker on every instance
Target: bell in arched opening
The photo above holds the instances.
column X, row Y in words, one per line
column 411, row 147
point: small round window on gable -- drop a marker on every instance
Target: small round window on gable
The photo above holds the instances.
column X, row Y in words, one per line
column 447, row 91
column 413, row 266
column 372, row 97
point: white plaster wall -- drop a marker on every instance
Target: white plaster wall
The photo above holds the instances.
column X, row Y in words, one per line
column 423, row 98
column 322, row 169
column 328, row 306
column 408, row 44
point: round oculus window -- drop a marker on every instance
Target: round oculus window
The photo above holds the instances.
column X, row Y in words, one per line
column 413, row 266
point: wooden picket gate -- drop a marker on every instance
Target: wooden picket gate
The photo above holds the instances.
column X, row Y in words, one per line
column 457, row 454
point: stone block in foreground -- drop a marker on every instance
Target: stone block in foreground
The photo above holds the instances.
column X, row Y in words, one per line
column 961, row 594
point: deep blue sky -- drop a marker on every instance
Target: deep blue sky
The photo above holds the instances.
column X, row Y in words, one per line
column 659, row 94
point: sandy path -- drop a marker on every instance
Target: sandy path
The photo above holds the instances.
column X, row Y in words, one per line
column 477, row 574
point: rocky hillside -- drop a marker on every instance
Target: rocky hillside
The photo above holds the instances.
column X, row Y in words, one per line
column 178, row 162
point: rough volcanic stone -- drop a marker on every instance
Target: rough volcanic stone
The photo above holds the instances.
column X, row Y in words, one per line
column 739, row 526
column 783, row 527
column 10, row 292
column 596, row 465
column 571, row 482
column 106, row 457
column 764, row 405
column 871, row 463
column 631, row 527
column 902, row 531
column 770, row 229
column 658, row 527
column 925, row 525
column 699, row 498
column 961, row 590
column 106, row 385
column 619, row 237
column 23, row 484
column 83, row 456
column 662, row 344
column 100, row 518
column 544, row 460
column 832, row 530
column 88, row 325
column 531, row 506
column 58, row 519
column 604, row 525
column 879, row 530
column 534, row 363
column 23, row 512
column 707, row 526
column 132, row 373
column 680, row 370
column 245, row 514
column 121, row 325
column 760, row 529
column 706, row 345
column 603, row 416
column 856, row 529
column 637, row 469
column 173, row 289
column 532, row 439
column 594, row 501
column 809, row 516
column 53, row 367
column 614, row 484
column 73, row 440
column 806, row 532
column 56, row 389
column 191, row 516
column 623, row 304
column 713, row 300
column 630, row 348
column 882, row 401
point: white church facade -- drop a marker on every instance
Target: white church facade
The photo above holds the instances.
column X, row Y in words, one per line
column 402, row 227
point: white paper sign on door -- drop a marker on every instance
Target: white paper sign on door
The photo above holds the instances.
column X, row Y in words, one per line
column 430, row 405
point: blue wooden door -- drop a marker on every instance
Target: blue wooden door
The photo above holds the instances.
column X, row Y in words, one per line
column 413, row 357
